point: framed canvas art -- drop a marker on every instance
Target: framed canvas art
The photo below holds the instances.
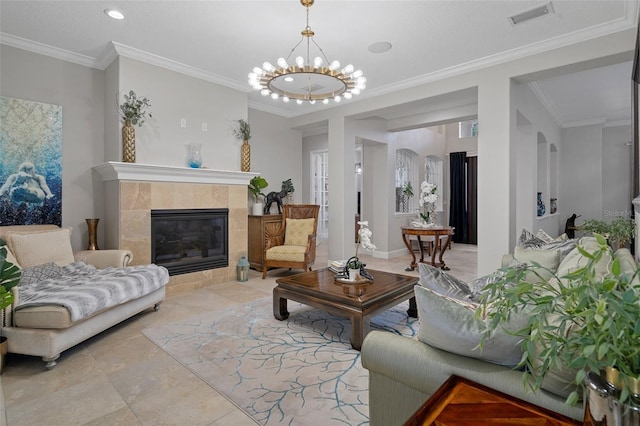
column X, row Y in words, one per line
column 30, row 162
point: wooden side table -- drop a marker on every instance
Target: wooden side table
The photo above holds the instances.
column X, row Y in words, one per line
column 438, row 246
column 258, row 226
column 463, row 402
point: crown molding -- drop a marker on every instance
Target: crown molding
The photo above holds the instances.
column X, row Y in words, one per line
column 169, row 64
column 592, row 122
column 45, row 49
column 618, row 123
column 546, row 102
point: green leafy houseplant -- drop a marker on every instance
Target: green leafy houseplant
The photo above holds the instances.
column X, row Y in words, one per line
column 134, row 108
column 243, row 130
column 9, row 277
column 584, row 320
column 256, row 185
column 621, row 230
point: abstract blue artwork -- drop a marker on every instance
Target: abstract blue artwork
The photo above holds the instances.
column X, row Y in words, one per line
column 30, row 162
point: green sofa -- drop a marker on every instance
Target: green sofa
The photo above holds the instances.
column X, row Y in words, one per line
column 404, row 372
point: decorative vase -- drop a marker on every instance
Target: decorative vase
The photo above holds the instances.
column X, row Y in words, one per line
column 246, row 156
column 541, row 207
column 603, row 406
column 128, row 142
column 553, row 206
column 194, row 158
column 354, row 274
column 92, row 226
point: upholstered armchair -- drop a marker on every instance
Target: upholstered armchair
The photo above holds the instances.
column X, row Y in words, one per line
column 293, row 245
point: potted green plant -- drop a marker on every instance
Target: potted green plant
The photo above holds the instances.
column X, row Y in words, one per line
column 9, row 277
column 242, row 131
column 621, row 230
column 256, row 185
column 407, row 193
column 584, row 321
column 287, row 185
column 133, row 110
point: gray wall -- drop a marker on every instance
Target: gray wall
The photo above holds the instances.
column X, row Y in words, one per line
column 80, row 92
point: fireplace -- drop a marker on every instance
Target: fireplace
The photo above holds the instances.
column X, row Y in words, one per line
column 190, row 240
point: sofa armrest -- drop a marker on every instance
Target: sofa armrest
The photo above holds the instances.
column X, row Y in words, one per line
column 104, row 258
column 404, row 373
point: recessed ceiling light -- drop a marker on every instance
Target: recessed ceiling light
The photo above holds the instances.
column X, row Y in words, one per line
column 288, row 79
column 380, row 47
column 115, row 14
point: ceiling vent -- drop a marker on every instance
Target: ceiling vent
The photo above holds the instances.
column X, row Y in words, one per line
column 545, row 9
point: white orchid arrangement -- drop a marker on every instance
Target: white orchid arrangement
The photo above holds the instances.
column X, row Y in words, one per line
column 427, row 201
column 364, row 240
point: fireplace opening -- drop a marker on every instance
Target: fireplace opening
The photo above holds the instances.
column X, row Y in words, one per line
column 190, row 240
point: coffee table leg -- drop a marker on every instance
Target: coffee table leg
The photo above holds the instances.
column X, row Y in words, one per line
column 279, row 306
column 413, row 308
column 359, row 329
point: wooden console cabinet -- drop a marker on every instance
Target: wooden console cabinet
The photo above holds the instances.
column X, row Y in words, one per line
column 257, row 227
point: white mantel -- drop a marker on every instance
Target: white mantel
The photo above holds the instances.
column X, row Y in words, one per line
column 115, row 170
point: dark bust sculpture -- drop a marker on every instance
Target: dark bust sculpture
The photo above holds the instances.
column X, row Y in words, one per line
column 570, row 226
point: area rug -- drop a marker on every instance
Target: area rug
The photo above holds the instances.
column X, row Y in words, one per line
column 301, row 371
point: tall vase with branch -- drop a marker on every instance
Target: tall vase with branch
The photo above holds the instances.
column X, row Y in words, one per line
column 133, row 111
column 354, row 266
column 242, row 131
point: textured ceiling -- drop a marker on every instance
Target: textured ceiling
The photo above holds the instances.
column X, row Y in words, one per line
column 223, row 40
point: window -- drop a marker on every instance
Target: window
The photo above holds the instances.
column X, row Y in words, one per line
column 406, row 174
column 467, row 129
column 433, row 174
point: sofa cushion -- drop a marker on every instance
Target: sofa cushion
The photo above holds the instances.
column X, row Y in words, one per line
column 575, row 260
column 36, row 248
column 45, row 316
column 548, row 260
column 297, row 231
column 451, row 324
column 287, row 253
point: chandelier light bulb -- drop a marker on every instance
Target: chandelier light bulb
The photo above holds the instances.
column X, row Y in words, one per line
column 274, row 96
column 337, row 98
column 300, row 61
column 268, row 67
column 282, row 63
column 325, row 101
column 334, row 65
column 357, row 74
column 258, row 71
column 347, row 95
column 285, row 99
column 355, row 91
column 312, row 101
column 264, row 92
column 317, row 62
column 348, row 69
column 299, row 101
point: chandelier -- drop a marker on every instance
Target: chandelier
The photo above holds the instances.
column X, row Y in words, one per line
column 303, row 80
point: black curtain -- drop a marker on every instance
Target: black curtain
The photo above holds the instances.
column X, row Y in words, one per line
column 458, row 206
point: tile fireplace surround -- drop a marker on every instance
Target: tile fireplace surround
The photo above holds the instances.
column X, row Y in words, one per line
column 132, row 190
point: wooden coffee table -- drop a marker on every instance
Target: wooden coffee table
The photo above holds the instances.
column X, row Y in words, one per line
column 358, row 303
column 461, row 401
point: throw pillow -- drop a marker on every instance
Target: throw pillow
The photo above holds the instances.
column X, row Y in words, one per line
column 547, row 259
column 442, row 283
column 451, row 325
column 297, row 231
column 42, row 247
column 528, row 240
column 575, row 260
column 35, row 274
column 543, row 241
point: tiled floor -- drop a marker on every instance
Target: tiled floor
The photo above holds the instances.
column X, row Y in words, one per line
column 120, row 378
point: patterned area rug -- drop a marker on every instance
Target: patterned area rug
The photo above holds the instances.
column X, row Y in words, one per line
column 296, row 372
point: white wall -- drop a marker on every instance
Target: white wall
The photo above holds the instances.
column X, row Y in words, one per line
column 617, row 172
column 173, row 97
column 276, row 153
column 581, row 172
column 80, row 92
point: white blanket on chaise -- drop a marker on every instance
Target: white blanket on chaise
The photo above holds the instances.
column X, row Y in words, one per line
column 85, row 290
